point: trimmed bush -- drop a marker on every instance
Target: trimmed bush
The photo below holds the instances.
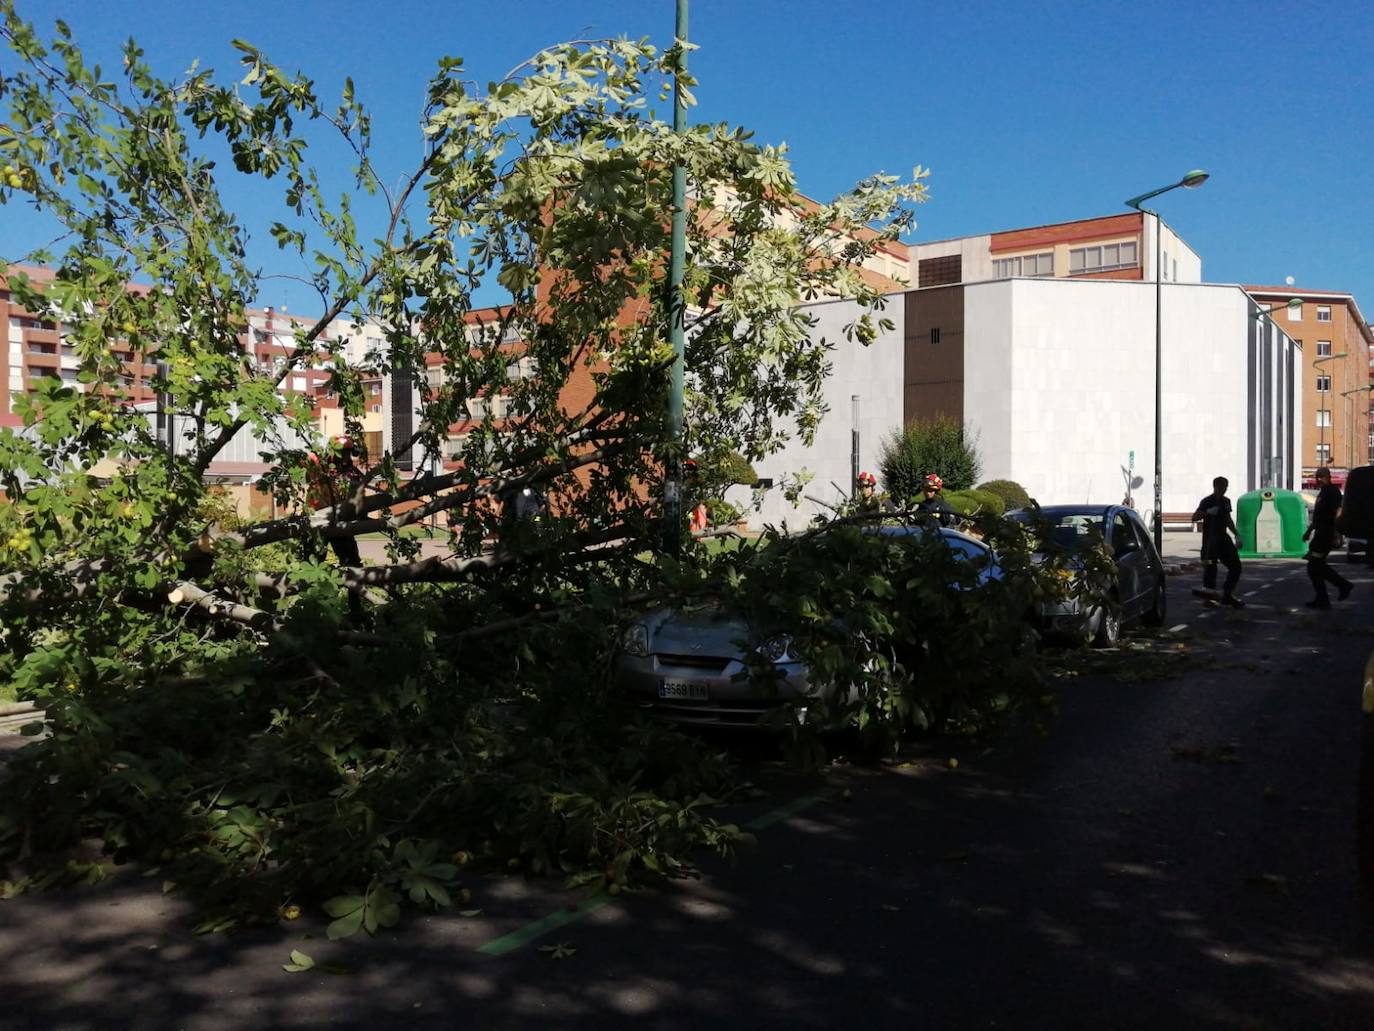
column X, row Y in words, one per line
column 941, row 445
column 975, row 502
column 1009, row 491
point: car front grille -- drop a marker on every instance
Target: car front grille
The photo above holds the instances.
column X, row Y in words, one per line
column 711, row 662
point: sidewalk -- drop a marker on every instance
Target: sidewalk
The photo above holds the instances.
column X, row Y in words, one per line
column 1181, row 551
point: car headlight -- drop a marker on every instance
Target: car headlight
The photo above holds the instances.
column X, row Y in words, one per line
column 776, row 647
column 635, row 640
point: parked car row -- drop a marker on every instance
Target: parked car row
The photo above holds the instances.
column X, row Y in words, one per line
column 699, row 665
column 694, row 665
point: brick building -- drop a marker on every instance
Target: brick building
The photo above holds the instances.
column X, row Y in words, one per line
column 1337, row 349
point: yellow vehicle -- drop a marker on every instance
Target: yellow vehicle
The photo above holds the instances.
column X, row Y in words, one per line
column 1365, row 800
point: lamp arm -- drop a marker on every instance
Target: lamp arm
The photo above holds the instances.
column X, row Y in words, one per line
column 1135, row 202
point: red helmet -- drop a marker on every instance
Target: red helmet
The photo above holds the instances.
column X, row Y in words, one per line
column 867, row 480
column 934, row 482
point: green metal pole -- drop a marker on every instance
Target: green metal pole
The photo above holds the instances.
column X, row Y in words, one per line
column 672, row 493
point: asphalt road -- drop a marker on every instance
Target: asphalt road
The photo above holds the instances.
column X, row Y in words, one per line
column 1177, row 853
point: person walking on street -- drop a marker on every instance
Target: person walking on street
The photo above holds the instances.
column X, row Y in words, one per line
column 1322, row 534
column 933, row 504
column 1220, row 539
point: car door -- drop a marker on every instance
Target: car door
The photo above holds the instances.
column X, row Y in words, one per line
column 1129, row 561
column 1151, row 564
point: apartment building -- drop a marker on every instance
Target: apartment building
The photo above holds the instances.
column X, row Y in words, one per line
column 37, row 350
column 1107, row 247
column 1337, row 350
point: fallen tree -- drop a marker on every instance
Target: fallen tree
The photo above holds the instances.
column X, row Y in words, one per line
column 271, row 725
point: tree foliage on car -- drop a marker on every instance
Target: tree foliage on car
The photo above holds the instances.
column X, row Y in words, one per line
column 214, row 707
column 910, row 634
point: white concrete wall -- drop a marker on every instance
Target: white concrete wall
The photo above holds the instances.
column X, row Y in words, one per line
column 874, row 373
column 1176, row 253
column 1059, row 386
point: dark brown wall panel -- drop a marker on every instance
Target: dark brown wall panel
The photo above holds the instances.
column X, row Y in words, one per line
column 933, row 383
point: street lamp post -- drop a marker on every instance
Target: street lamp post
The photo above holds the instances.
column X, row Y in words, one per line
column 1190, row 181
column 676, row 303
column 1322, row 426
column 1350, row 425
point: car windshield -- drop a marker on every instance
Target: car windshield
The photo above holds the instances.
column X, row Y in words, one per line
column 1073, row 530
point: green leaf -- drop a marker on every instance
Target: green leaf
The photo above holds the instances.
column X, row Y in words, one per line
column 343, row 905
column 346, row 926
column 299, row 961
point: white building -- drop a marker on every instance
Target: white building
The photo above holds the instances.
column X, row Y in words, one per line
column 868, row 379
column 1056, row 378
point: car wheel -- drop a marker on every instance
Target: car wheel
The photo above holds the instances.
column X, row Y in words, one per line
column 1159, row 607
column 1108, row 626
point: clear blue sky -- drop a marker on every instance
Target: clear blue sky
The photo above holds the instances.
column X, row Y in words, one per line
column 1025, row 112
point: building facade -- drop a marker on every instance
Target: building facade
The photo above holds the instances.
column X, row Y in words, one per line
column 1056, row 379
column 1337, row 347
column 1108, row 247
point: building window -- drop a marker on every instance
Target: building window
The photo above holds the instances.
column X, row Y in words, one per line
column 1323, row 313
column 1323, row 454
column 1295, row 313
column 1102, row 257
column 1025, row 265
column 1324, row 417
column 524, row 368
column 1323, row 348
column 1323, row 384
column 942, row 271
column 934, row 334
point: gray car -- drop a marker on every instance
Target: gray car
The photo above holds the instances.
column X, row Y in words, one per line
column 692, row 666
column 1137, row 592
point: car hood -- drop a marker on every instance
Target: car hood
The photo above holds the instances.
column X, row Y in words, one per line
column 704, row 630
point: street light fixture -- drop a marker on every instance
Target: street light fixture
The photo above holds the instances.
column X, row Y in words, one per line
column 1292, row 304
column 1315, row 363
column 1191, row 181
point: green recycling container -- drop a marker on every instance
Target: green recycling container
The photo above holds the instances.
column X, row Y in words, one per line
column 1271, row 524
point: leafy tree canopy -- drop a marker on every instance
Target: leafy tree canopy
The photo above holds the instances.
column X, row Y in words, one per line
column 211, row 696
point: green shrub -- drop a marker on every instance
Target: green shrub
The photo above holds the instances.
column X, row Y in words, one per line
column 721, row 513
column 717, row 474
column 1009, row 491
column 975, row 502
column 941, row 445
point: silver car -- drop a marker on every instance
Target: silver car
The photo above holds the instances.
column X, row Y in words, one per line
column 694, row 665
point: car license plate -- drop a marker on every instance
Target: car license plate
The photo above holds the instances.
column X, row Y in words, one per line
column 682, row 689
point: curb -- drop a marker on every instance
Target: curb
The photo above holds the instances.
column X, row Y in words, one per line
column 18, row 714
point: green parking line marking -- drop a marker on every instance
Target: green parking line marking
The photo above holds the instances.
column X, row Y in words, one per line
column 523, row 936
column 510, row 942
column 783, row 812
